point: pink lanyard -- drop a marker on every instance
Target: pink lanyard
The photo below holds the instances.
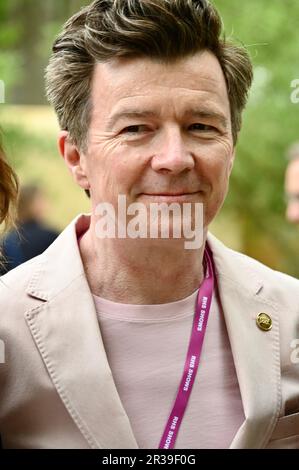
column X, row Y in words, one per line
column 200, row 321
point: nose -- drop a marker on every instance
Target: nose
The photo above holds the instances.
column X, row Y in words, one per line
column 172, row 155
column 293, row 212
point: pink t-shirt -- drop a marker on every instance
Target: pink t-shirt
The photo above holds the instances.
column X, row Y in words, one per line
column 146, row 346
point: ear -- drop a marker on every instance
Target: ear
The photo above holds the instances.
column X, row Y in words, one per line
column 74, row 159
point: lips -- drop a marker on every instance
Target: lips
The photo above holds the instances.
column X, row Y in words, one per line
column 169, row 194
column 180, row 193
column 170, row 197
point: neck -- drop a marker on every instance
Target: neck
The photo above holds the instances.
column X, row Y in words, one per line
column 141, row 271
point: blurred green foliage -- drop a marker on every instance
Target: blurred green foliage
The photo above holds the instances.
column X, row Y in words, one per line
column 270, row 32
column 253, row 215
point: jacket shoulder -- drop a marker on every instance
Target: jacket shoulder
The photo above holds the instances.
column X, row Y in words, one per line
column 247, row 272
column 264, row 271
column 16, row 281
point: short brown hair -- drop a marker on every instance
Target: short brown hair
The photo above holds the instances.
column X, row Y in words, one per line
column 164, row 30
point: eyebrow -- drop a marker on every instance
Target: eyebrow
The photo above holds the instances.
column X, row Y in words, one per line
column 200, row 113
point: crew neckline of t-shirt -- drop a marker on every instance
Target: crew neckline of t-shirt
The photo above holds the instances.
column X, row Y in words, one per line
column 146, row 313
column 141, row 313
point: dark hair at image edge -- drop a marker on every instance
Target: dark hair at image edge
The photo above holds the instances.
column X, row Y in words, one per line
column 8, row 193
column 8, row 190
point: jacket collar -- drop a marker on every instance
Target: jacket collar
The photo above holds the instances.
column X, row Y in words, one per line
column 66, row 331
column 60, row 264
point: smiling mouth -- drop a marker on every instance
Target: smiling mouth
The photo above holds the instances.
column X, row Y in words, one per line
column 171, row 196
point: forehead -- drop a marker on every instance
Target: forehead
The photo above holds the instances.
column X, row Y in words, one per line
column 192, row 80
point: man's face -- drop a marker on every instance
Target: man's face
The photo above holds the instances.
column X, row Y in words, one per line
column 159, row 130
column 292, row 191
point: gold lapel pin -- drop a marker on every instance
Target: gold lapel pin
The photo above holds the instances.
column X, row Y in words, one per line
column 264, row 321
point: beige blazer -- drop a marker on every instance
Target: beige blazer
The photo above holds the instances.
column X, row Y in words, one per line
column 56, row 386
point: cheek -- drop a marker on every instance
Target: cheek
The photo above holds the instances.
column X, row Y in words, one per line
column 113, row 169
column 216, row 170
column 127, row 167
column 221, row 181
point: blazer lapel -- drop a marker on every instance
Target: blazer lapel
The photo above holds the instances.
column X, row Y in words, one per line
column 256, row 353
column 66, row 332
